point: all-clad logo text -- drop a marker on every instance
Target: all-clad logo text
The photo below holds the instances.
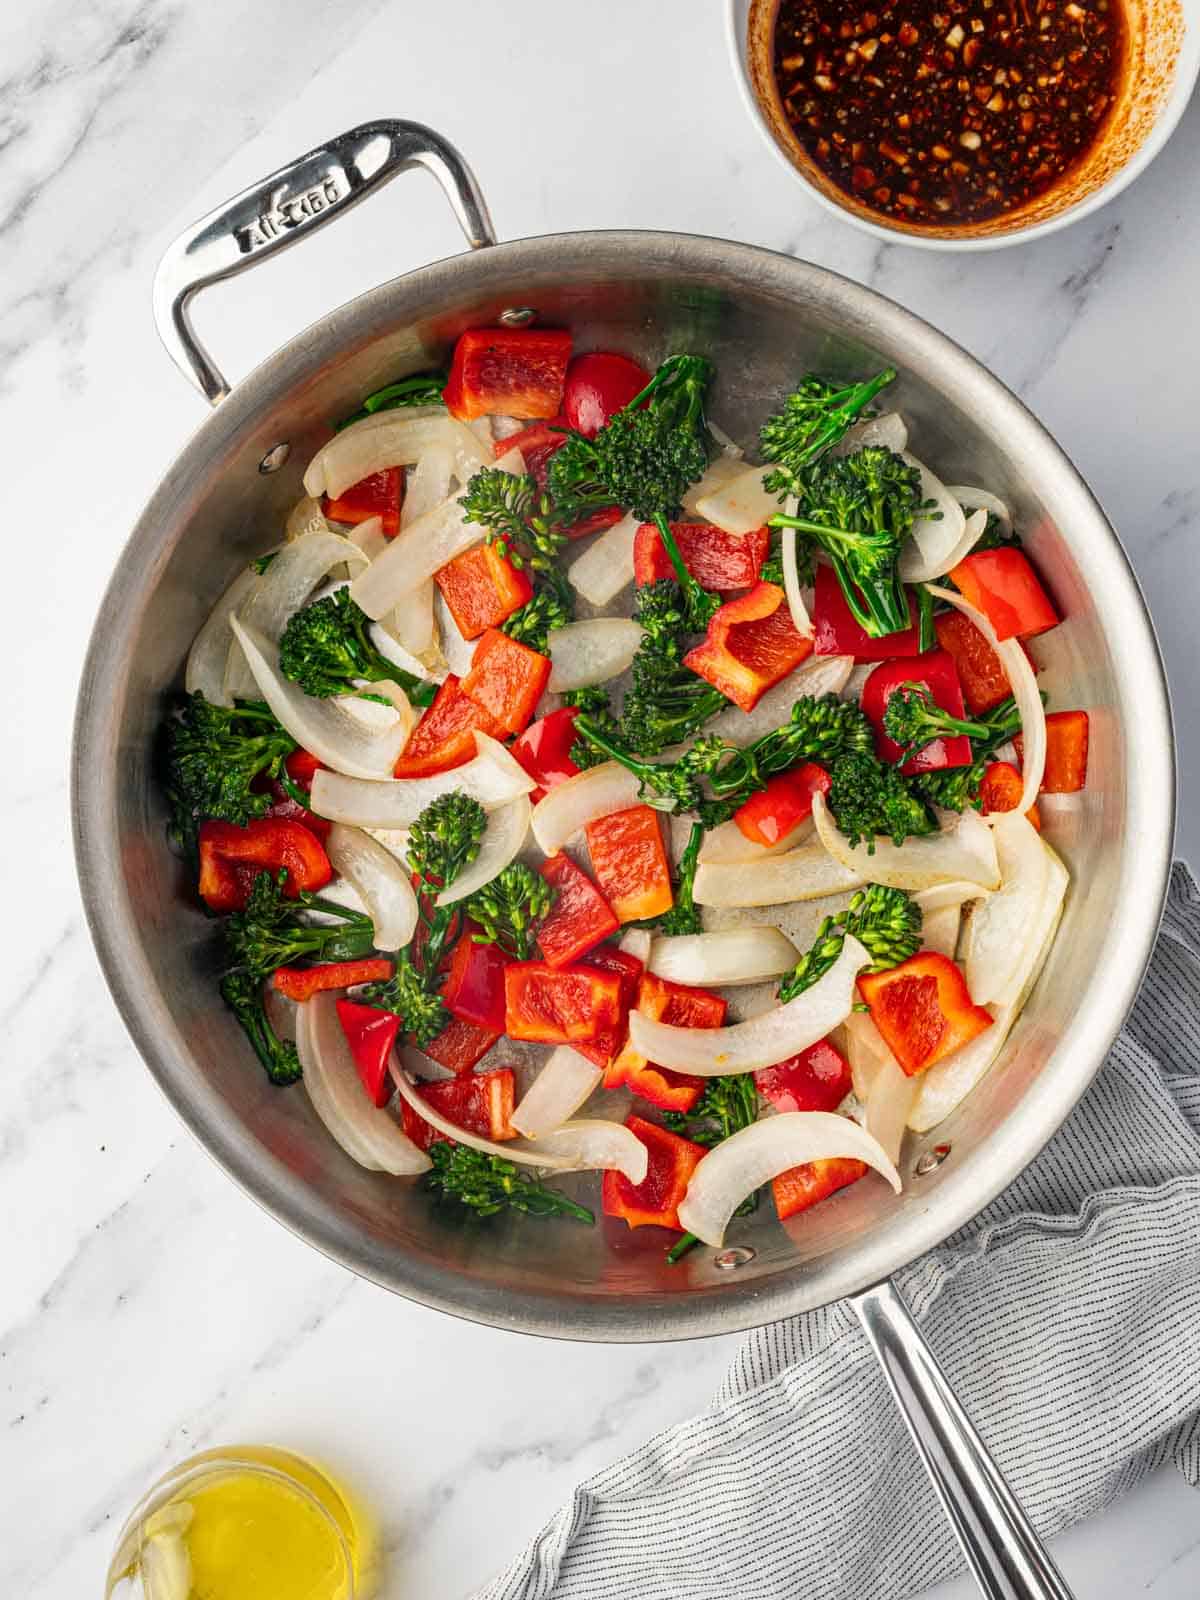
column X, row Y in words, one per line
column 288, row 211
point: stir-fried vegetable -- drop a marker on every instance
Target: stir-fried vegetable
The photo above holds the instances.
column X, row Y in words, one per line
column 326, row 648
column 214, row 757
column 487, row 1184
column 886, row 922
column 811, row 421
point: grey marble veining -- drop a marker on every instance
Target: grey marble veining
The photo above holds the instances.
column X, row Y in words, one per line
column 147, row 1308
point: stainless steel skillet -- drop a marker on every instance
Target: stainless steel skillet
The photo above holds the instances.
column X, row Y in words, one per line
column 763, row 318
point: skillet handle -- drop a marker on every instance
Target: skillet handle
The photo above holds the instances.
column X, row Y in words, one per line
column 1004, row 1554
column 287, row 206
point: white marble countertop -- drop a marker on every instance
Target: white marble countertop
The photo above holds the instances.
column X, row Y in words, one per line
column 147, row 1307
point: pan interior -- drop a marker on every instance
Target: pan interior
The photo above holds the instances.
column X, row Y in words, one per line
column 764, row 320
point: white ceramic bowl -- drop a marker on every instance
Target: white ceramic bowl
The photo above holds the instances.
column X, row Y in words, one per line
column 1166, row 51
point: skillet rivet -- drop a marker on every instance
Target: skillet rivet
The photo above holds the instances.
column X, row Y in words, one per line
column 736, row 1256
column 274, row 458
column 517, row 316
column 931, row 1160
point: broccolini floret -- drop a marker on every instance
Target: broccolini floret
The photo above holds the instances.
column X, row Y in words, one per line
column 869, row 797
column 487, row 1184
column 860, row 509
column 811, row 421
column 326, row 648
column 509, row 909
column 884, row 920
column 213, row 756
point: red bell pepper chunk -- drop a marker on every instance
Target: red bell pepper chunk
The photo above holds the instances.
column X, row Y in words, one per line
column 559, row 1005
column 512, row 373
column 482, row 589
column 460, row 1045
column 445, row 736
column 786, row 802
column 984, row 681
column 301, row 983
column 1001, row 788
column 803, row 1186
column 1003, row 585
column 628, row 969
column 544, row 750
column 379, row 495
column 506, row 679
column 936, row 670
column 537, row 443
column 1066, row 752
column 750, row 645
column 599, row 385
column 474, row 984
column 300, row 766
column 231, row 857
column 654, row 1202
column 837, row 633
column 479, row 1102
column 717, row 560
column 580, row 917
column 923, row 1009
column 630, row 863
column 681, row 1007
column 818, row 1079
column 370, row 1033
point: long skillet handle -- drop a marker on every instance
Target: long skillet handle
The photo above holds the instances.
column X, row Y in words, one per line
column 1005, row 1555
column 285, row 207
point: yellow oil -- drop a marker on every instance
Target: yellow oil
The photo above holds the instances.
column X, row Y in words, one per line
column 252, row 1523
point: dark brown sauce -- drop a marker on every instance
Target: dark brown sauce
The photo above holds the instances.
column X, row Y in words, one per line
column 946, row 112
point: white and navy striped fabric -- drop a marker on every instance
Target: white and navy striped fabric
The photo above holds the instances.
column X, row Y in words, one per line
column 1067, row 1316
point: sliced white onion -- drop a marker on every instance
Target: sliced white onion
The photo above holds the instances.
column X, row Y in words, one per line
column 729, row 450
column 469, row 454
column 558, row 1091
column 972, row 499
column 365, row 1132
column 430, row 664
column 948, row 1082
column 866, row 1050
column 304, row 518
column 590, row 652
column 719, row 472
column 427, row 484
column 815, row 676
column 755, row 1155
column 606, row 566
column 999, row 929
column 387, row 439
column 934, row 535
column 939, row 930
column 421, row 549
column 369, row 537
column 206, row 662
column 731, row 957
column 887, row 429
column 727, row 843
column 942, row 895
column 411, row 627
column 741, row 504
column 503, row 838
column 574, row 1147
column 291, row 578
column 636, row 942
column 570, row 806
column 493, row 778
column 801, row 620
column 966, row 850
column 1023, row 683
column 973, row 530
column 772, row 1036
column 805, row 872
column 892, row 1096
column 385, row 886
column 327, row 728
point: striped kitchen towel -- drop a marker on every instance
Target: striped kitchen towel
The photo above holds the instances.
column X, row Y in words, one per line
column 1067, row 1317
